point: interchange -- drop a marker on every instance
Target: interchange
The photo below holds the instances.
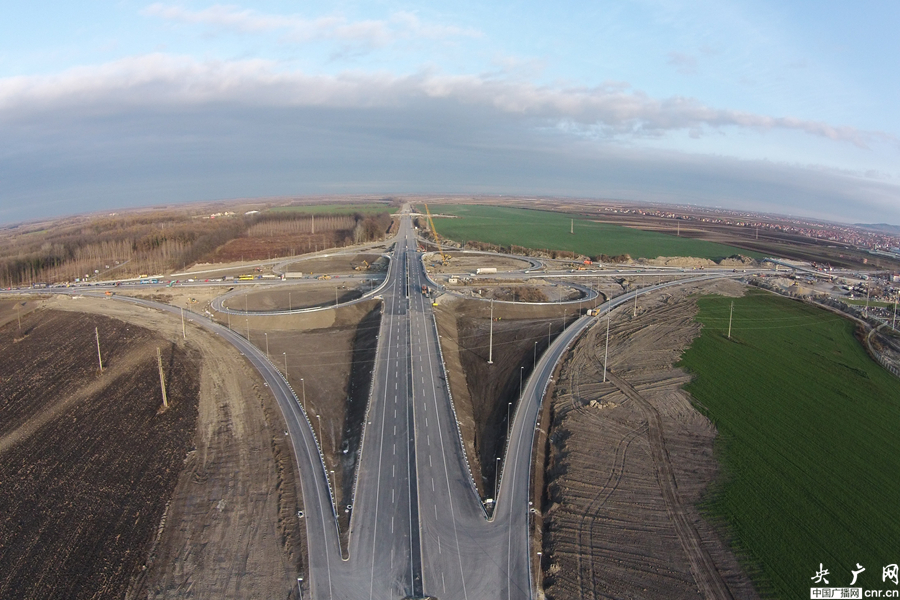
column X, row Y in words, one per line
column 417, row 525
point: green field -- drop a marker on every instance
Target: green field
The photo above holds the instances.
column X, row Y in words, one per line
column 550, row 230
column 809, row 442
column 335, row 209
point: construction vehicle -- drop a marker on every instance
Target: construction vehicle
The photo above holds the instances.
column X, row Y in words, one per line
column 437, row 239
column 424, row 290
column 323, row 277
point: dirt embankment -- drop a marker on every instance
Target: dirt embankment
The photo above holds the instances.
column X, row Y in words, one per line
column 485, row 395
column 329, row 357
column 88, row 460
column 231, row 528
column 310, row 294
column 627, row 462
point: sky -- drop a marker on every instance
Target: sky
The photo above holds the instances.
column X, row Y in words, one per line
column 777, row 106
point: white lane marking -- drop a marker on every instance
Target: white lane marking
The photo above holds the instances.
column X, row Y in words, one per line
column 392, row 494
column 442, row 582
column 439, row 545
column 395, row 430
column 429, row 439
column 392, row 524
column 447, row 478
column 395, row 413
column 429, row 461
column 426, row 421
column 395, row 449
column 435, row 511
column 432, row 486
column 393, row 471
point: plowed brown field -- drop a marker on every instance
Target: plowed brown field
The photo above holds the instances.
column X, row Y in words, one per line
column 87, row 459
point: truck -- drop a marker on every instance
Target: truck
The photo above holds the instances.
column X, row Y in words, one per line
column 424, row 290
column 485, row 270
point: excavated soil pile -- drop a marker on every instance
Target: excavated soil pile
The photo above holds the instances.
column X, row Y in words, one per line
column 88, row 461
column 628, row 460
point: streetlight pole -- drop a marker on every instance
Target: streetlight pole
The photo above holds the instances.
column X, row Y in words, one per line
column 319, row 419
column 508, row 407
column 606, row 357
column 285, row 365
column 267, row 343
column 534, row 364
column 496, row 484
column 521, row 371
column 303, row 385
column 290, row 309
column 491, row 343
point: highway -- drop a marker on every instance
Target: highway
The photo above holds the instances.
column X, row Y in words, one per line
column 417, row 525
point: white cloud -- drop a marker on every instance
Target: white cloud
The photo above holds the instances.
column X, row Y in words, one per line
column 165, row 80
column 371, row 32
column 685, row 64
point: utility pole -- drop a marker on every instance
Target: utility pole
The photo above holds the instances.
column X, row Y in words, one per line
column 290, row 308
column 248, row 327
column 606, row 357
column 867, row 300
column 267, row 343
column 635, row 301
column 508, row 408
column 491, row 343
column 548, row 336
column 730, row 315
column 285, row 365
column 572, row 227
column 303, row 385
column 162, row 379
column 335, row 296
column 183, row 334
column 18, row 315
column 99, row 356
column 678, row 232
column 894, row 323
column 229, row 320
column 534, row 363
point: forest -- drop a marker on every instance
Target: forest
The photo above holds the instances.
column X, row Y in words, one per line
column 129, row 245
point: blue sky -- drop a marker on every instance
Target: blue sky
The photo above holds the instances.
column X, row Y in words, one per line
column 788, row 107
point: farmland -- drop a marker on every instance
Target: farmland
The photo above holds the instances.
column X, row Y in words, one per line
column 549, row 230
column 808, row 441
column 88, row 459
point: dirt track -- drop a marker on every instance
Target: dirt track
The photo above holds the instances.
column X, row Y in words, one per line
column 628, row 461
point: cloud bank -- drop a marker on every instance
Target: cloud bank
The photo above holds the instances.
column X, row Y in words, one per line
column 155, row 80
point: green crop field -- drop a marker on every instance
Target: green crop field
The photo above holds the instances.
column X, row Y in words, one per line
column 549, row 230
column 335, row 209
column 809, row 442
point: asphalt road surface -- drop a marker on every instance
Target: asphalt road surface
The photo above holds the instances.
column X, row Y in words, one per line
column 417, row 525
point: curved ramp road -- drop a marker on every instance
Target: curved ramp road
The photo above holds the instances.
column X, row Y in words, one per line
column 418, row 527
